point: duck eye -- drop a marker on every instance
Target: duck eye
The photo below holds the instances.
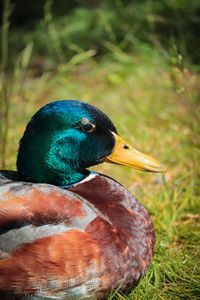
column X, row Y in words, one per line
column 87, row 127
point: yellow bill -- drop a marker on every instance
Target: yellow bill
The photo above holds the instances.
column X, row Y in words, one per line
column 126, row 155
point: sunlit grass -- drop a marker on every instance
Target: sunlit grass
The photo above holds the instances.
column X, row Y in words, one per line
column 154, row 107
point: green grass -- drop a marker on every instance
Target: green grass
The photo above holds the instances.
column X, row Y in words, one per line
column 154, row 106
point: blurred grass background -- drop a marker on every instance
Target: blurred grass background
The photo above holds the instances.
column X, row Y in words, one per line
column 139, row 62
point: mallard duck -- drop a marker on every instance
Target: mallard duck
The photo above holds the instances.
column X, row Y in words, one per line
column 67, row 232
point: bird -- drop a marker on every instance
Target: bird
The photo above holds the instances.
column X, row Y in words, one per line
column 67, row 232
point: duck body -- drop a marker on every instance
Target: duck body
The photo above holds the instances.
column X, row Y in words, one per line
column 70, row 243
column 78, row 241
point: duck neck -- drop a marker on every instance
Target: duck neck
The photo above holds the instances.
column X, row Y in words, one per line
column 70, row 179
column 48, row 163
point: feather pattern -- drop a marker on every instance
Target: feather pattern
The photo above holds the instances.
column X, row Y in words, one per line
column 74, row 243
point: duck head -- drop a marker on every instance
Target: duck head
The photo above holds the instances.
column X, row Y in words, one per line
column 66, row 137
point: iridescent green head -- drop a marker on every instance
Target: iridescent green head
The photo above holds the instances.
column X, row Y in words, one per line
column 62, row 140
